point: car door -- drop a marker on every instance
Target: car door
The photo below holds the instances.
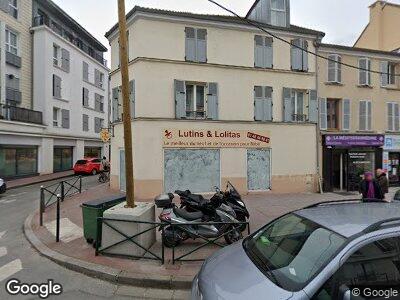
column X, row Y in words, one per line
column 377, row 263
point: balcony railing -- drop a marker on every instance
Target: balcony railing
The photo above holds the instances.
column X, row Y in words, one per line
column 43, row 20
column 19, row 114
column 299, row 118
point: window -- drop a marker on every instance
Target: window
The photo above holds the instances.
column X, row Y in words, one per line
column 13, row 8
column 57, row 87
column 262, row 103
column 85, row 122
column 334, row 68
column 365, row 115
column 11, row 41
column 332, row 106
column 375, row 264
column 195, row 101
column 85, row 67
column 346, row 114
column 278, row 13
column 364, row 73
column 388, row 73
column 299, row 55
column 263, row 52
column 85, row 97
column 56, row 117
column 56, row 54
column 196, row 44
column 298, row 113
column 393, row 116
column 13, row 93
column 98, row 78
column 300, row 105
column 98, row 103
column 98, row 124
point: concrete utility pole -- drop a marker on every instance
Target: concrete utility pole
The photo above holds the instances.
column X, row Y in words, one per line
column 130, row 193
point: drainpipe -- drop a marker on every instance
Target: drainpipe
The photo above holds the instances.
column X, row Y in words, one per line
column 318, row 132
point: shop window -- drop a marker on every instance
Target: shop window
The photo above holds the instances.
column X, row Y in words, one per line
column 93, row 152
column 62, row 159
column 18, row 161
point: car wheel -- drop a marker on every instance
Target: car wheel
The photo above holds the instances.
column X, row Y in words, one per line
column 94, row 172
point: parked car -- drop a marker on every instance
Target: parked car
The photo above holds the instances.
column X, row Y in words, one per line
column 88, row 166
column 3, row 186
column 321, row 252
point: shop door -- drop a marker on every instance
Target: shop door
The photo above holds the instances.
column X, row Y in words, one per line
column 393, row 167
column 122, row 177
column 339, row 169
column 18, row 162
column 258, row 170
column 62, row 160
column 359, row 162
column 195, row 170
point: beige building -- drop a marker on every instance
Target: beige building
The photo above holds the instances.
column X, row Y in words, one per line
column 214, row 99
column 359, row 114
column 382, row 32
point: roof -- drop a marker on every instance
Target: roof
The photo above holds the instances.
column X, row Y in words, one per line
column 74, row 24
column 218, row 18
column 349, row 219
column 349, row 48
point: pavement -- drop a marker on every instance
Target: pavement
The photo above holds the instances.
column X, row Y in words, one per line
column 21, row 182
column 74, row 253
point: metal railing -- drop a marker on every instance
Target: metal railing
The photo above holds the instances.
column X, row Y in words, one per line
column 19, row 114
column 57, row 193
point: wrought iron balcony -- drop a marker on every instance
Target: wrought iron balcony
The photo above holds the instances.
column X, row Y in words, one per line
column 299, row 118
column 19, row 114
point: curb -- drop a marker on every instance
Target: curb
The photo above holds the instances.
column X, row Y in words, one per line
column 36, row 182
column 103, row 272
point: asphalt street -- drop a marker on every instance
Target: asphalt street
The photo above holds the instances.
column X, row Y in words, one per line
column 20, row 261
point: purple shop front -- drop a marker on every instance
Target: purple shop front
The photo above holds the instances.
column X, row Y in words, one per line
column 377, row 140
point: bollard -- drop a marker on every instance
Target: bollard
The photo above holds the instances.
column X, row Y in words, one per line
column 162, row 245
column 80, row 184
column 62, row 191
column 41, row 205
column 58, row 219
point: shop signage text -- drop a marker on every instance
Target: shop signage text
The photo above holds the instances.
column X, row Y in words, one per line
column 205, row 138
column 355, row 140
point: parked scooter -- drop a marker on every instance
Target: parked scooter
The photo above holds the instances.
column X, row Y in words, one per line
column 212, row 213
column 194, row 202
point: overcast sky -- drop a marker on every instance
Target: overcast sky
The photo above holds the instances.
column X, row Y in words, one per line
column 341, row 20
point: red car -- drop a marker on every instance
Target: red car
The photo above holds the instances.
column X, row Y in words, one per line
column 88, row 166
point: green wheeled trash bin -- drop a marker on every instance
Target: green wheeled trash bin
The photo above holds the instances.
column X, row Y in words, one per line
column 94, row 209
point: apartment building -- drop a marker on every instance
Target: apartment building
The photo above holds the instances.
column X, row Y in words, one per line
column 359, row 114
column 214, row 99
column 66, row 102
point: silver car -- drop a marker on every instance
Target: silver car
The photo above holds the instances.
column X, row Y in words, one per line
column 333, row 250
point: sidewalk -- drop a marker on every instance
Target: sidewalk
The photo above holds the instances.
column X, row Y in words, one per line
column 12, row 184
column 73, row 252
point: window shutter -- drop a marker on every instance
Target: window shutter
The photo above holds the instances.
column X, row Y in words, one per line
column 190, row 44
column 390, row 116
column 332, row 68
column 85, row 97
column 362, row 64
column 65, row 118
column 287, row 13
column 362, row 115
column 312, row 106
column 268, row 116
column 369, row 116
column 56, row 86
column 369, row 72
column 212, row 101
column 97, row 77
column 396, row 117
column 339, row 69
column 258, row 103
column 132, row 97
column 115, row 104
column 4, row 5
column 258, row 51
column 85, row 71
column 287, row 105
column 268, row 10
column 346, row 114
column 296, row 59
column 201, row 45
column 85, row 122
column 323, row 118
column 65, row 64
column 384, row 73
column 304, row 56
column 180, row 99
column 268, row 52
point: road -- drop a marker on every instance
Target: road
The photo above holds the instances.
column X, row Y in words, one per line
column 20, row 261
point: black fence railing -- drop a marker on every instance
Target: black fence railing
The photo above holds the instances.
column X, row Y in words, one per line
column 56, row 193
column 19, row 114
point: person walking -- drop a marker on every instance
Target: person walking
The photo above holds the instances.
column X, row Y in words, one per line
column 383, row 182
column 369, row 187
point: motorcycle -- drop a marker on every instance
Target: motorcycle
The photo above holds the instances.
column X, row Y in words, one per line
column 231, row 197
column 206, row 222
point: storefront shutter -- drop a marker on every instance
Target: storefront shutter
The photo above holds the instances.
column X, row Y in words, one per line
column 268, row 116
column 65, row 60
column 323, row 122
column 132, row 97
column 346, row 114
column 287, row 105
column 115, row 104
column 180, row 99
column 258, row 103
column 65, row 118
column 190, row 44
column 304, row 55
column 201, row 43
column 268, row 52
column 396, row 117
column 312, row 106
column 258, row 51
column 212, row 101
column 384, row 71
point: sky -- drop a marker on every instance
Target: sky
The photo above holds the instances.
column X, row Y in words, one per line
column 341, row 20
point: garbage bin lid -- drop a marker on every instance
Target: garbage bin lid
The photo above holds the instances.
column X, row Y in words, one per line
column 109, row 201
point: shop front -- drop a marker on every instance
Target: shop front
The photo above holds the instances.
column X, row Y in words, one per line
column 62, row 159
column 347, row 157
column 391, row 158
column 18, row 161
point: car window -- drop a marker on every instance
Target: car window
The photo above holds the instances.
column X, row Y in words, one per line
column 81, row 162
column 96, row 161
column 377, row 263
column 292, row 250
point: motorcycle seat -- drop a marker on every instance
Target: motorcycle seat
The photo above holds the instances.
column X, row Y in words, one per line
column 190, row 216
column 197, row 198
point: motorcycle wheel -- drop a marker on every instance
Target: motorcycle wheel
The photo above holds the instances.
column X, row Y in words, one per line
column 241, row 218
column 233, row 236
column 168, row 238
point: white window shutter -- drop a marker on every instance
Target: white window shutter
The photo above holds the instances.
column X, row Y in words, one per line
column 323, row 114
column 180, row 99
column 396, row 117
column 363, row 115
column 384, row 73
column 346, row 114
column 390, row 115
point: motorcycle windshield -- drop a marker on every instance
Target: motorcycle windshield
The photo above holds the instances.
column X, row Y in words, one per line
column 233, row 190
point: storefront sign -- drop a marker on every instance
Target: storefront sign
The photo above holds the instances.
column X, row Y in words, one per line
column 392, row 142
column 205, row 138
column 355, row 140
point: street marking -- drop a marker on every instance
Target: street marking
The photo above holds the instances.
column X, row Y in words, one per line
column 68, row 230
column 8, row 201
column 10, row 269
column 3, row 251
column 2, row 234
